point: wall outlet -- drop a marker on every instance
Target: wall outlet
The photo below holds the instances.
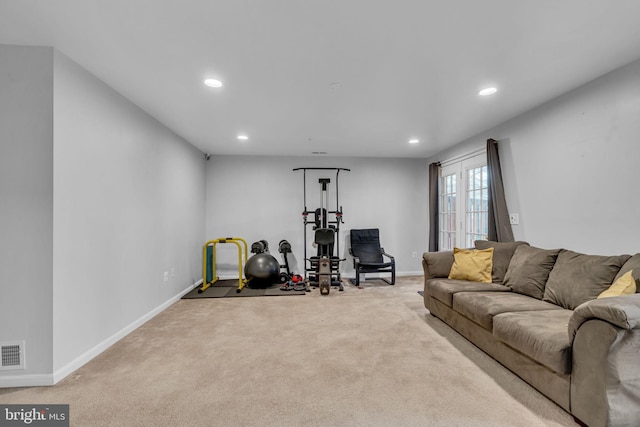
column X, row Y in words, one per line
column 514, row 219
column 414, row 254
column 166, row 276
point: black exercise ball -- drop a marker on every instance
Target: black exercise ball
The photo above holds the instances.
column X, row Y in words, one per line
column 262, row 270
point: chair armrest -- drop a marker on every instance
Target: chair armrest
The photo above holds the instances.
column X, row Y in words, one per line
column 387, row 255
column 622, row 311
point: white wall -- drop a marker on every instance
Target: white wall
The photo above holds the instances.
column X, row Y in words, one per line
column 26, row 204
column 571, row 166
column 128, row 206
column 262, row 198
column 98, row 200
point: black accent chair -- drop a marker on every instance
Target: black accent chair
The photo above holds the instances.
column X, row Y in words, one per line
column 368, row 255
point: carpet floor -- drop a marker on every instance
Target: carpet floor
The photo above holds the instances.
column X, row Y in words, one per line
column 362, row 357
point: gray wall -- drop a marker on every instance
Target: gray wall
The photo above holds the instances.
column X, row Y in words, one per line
column 262, row 198
column 129, row 206
column 26, row 204
column 571, row 166
column 103, row 200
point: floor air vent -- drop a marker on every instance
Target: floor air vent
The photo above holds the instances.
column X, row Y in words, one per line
column 12, row 355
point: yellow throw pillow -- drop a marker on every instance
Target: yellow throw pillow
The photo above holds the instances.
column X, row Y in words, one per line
column 625, row 285
column 472, row 264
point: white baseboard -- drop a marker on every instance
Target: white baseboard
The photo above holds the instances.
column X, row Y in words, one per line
column 410, row 273
column 95, row 351
column 51, row 379
column 398, row 274
column 351, row 273
column 34, row 380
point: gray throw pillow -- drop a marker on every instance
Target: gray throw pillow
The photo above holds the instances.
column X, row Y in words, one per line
column 438, row 263
column 578, row 278
column 632, row 263
column 529, row 270
column 502, row 253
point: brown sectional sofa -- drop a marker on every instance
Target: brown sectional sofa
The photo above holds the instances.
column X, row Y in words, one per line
column 540, row 318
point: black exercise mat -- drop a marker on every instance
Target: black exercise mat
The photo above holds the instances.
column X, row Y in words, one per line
column 228, row 288
column 212, row 292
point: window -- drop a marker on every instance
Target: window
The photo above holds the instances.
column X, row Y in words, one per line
column 463, row 188
column 448, row 229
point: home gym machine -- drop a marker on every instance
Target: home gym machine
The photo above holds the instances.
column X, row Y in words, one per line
column 324, row 268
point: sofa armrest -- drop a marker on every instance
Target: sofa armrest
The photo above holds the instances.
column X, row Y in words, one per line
column 437, row 264
column 605, row 378
column 622, row 311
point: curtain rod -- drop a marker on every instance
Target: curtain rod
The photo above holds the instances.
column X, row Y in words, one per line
column 463, row 157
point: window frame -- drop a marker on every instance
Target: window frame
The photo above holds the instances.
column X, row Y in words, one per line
column 465, row 233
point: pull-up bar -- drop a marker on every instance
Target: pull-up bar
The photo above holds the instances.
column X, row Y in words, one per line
column 304, row 180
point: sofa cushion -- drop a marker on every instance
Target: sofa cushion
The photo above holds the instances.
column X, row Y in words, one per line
column 632, row 263
column 577, row 278
column 502, row 253
column 529, row 270
column 472, row 264
column 625, row 285
column 541, row 335
column 482, row 306
column 438, row 263
column 443, row 289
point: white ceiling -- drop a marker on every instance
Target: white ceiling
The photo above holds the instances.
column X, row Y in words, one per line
column 345, row 77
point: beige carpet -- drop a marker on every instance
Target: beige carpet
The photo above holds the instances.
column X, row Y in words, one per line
column 370, row 357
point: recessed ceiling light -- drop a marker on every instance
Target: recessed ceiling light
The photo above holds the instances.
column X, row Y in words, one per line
column 487, row 91
column 414, row 141
column 213, row 83
column 243, row 137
